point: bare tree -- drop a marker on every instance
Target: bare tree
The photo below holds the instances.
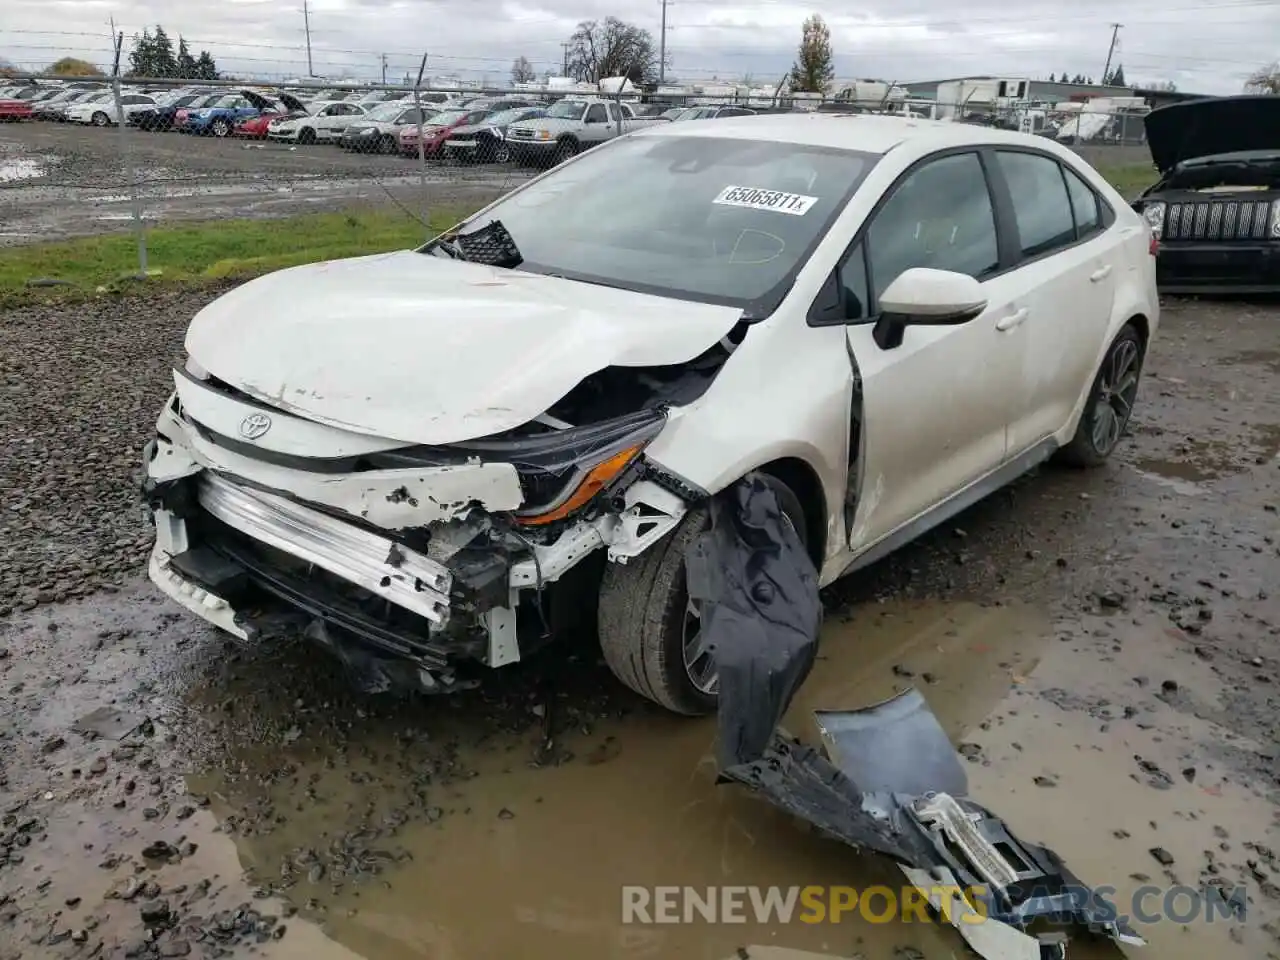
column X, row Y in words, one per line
column 814, row 67
column 612, row 48
column 1264, row 80
column 522, row 71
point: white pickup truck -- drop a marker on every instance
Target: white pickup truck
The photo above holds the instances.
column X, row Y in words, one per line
column 570, row 126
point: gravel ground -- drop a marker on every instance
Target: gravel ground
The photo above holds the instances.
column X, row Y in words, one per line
column 59, row 180
column 1103, row 644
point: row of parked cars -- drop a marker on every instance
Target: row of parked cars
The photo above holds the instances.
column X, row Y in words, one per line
column 437, row 126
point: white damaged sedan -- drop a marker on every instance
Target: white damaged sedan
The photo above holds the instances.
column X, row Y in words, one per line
column 439, row 458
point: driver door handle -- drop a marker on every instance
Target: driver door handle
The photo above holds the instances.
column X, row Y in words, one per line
column 1009, row 321
column 1100, row 274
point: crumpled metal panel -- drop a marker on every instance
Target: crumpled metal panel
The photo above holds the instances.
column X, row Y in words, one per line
column 896, row 746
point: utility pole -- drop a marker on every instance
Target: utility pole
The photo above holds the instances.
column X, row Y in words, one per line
column 1115, row 31
column 306, row 23
column 384, row 68
column 662, row 46
column 564, row 48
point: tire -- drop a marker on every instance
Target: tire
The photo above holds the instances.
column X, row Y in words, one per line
column 1110, row 403
column 387, row 144
column 220, row 127
column 566, row 148
column 306, row 136
column 643, row 614
column 501, row 153
column 100, row 119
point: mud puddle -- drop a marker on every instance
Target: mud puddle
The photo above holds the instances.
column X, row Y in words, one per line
column 517, row 855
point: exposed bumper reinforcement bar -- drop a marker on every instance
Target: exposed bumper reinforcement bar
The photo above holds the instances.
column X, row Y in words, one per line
column 381, row 566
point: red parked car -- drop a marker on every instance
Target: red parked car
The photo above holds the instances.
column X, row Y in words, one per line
column 15, row 110
column 435, row 133
column 255, row 128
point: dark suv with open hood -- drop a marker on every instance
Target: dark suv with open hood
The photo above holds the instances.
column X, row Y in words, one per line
column 1216, row 208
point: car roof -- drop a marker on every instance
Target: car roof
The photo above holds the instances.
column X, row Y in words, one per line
column 869, row 133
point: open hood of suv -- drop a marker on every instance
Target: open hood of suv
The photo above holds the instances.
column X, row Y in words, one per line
column 1213, row 125
column 427, row 350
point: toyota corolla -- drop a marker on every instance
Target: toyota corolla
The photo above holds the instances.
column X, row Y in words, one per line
column 436, row 458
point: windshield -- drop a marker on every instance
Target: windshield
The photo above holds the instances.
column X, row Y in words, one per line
column 388, row 111
column 448, row 117
column 95, row 97
column 713, row 219
column 566, row 110
column 504, row 117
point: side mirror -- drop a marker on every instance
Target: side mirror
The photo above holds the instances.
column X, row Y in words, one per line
column 922, row 296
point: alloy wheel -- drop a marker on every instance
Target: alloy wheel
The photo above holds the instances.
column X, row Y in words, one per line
column 1117, row 390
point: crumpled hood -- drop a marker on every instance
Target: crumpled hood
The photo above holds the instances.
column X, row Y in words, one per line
column 1210, row 126
column 428, row 350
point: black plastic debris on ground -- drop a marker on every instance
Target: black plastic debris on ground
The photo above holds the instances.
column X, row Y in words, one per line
column 760, row 613
column 887, row 778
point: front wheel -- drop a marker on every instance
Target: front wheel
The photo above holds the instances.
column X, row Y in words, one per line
column 565, row 149
column 220, row 128
column 1110, row 403
column 100, row 119
column 307, row 135
column 650, row 629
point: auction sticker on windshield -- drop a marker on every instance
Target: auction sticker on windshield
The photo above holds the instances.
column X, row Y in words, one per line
column 754, row 198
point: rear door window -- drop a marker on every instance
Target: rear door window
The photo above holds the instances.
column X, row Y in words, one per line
column 1084, row 204
column 1041, row 205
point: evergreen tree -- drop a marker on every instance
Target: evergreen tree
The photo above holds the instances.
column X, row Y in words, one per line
column 186, row 62
column 814, row 67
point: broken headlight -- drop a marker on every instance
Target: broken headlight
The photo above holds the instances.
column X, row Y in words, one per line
column 561, row 468
column 1154, row 214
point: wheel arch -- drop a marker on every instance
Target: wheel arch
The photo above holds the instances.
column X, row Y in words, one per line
column 1143, row 325
column 803, row 480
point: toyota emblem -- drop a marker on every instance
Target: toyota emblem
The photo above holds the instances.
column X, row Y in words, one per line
column 254, row 425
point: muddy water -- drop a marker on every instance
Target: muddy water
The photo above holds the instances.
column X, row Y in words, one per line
column 533, row 860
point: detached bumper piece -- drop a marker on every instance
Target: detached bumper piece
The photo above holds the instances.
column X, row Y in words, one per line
column 886, row 778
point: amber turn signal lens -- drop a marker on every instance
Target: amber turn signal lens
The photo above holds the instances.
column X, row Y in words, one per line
column 599, row 477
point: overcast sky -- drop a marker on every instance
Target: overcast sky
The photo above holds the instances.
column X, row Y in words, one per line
column 1206, row 47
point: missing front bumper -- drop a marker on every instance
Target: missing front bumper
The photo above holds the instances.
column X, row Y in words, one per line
column 374, row 563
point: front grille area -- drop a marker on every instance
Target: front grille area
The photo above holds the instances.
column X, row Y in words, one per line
column 1218, row 220
column 519, row 134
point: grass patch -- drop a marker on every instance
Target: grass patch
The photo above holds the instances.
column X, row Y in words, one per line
column 202, row 252
column 1130, row 179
